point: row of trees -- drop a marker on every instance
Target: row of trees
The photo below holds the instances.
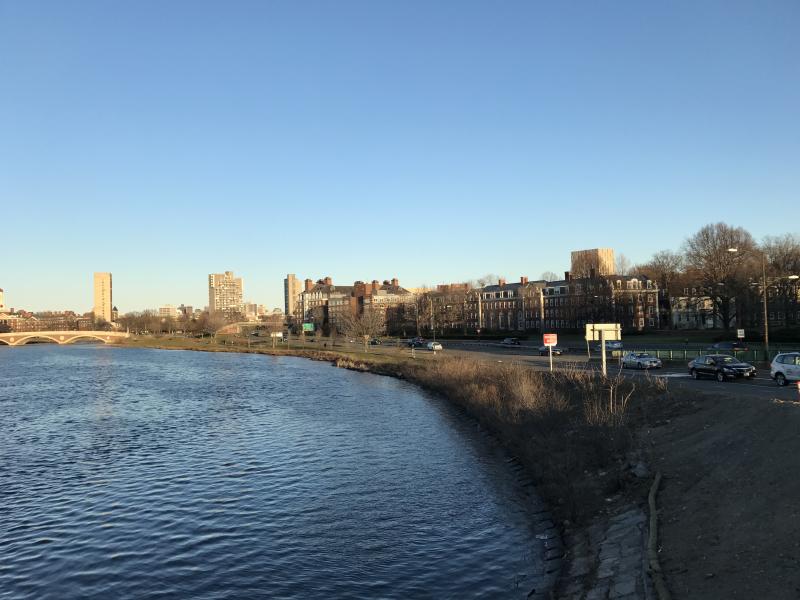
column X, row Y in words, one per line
column 726, row 264
column 149, row 321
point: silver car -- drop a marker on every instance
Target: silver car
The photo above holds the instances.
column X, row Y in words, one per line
column 640, row 360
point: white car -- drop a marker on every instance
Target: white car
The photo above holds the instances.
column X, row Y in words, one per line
column 785, row 367
column 640, row 360
column 434, row 346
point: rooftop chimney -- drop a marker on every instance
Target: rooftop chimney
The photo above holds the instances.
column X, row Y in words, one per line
column 501, row 282
column 375, row 285
column 328, row 281
column 309, row 285
column 395, row 282
column 523, row 280
column 566, row 276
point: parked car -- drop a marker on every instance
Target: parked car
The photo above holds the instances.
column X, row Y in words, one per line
column 610, row 345
column 720, row 367
column 785, row 367
column 640, row 360
column 511, row 342
column 416, row 343
column 374, row 342
column 434, row 346
column 545, row 350
column 728, row 347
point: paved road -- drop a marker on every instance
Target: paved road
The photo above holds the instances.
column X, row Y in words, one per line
column 676, row 372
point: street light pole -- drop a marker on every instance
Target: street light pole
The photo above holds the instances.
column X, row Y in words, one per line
column 766, row 313
column 764, row 298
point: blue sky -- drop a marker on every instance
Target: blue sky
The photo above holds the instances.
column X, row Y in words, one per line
column 432, row 141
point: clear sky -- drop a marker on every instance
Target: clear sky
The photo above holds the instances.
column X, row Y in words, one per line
column 431, row 141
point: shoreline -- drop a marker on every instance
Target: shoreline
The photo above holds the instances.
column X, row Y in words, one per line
column 591, row 515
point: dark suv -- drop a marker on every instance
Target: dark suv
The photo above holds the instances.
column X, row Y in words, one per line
column 720, row 367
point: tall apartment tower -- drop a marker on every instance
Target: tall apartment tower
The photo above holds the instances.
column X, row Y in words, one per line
column 292, row 288
column 102, row 296
column 2, row 301
column 224, row 292
column 597, row 261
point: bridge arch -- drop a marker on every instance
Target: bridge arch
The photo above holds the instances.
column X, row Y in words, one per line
column 59, row 337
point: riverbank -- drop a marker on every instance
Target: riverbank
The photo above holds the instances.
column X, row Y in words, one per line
column 576, row 435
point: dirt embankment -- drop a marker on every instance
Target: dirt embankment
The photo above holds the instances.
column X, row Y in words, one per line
column 730, row 501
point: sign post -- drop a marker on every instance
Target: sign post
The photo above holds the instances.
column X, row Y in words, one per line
column 603, row 332
column 740, row 334
column 550, row 340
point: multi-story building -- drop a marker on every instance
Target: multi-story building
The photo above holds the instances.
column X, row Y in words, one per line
column 507, row 306
column 224, row 293
column 631, row 301
column 328, row 305
column 694, row 311
column 102, row 297
column 2, row 301
column 168, row 312
column 596, row 262
column 291, row 292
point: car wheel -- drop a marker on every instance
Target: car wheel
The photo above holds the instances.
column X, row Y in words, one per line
column 780, row 379
column 694, row 374
column 720, row 376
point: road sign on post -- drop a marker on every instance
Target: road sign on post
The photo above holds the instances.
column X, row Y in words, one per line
column 740, row 334
column 604, row 332
column 308, row 327
column 550, row 340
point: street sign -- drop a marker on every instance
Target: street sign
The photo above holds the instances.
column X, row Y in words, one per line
column 740, row 334
column 550, row 339
column 276, row 334
column 308, row 327
column 608, row 331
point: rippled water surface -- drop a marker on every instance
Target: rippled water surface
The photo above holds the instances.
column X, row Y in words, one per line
column 128, row 473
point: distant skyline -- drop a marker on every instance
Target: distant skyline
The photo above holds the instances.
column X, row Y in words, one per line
column 432, row 142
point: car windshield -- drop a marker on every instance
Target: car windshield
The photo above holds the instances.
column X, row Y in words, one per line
column 727, row 360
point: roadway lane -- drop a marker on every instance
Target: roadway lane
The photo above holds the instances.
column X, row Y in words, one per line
column 675, row 373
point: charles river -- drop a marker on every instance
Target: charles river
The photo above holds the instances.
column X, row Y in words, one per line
column 135, row 473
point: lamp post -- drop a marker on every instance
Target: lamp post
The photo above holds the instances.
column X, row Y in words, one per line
column 764, row 296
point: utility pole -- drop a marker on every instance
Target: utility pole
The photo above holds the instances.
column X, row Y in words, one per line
column 766, row 314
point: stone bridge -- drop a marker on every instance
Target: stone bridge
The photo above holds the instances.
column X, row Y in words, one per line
column 18, row 338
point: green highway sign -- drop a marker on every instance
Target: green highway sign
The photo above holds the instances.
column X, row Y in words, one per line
column 308, row 327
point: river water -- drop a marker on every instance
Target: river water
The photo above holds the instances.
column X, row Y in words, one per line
column 135, row 473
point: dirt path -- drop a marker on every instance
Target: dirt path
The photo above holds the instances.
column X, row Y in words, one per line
column 730, row 501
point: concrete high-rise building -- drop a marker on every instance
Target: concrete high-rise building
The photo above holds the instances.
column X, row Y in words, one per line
column 597, row 262
column 292, row 288
column 102, row 297
column 2, row 301
column 224, row 292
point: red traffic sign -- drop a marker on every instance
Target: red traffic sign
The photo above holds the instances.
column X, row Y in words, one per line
column 550, row 339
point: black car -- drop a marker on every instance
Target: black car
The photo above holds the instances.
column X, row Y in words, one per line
column 729, row 347
column 374, row 342
column 720, row 367
column 511, row 342
column 416, row 343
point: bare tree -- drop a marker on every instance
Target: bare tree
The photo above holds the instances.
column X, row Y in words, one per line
column 665, row 268
column 623, row 265
column 367, row 325
column 720, row 270
column 549, row 276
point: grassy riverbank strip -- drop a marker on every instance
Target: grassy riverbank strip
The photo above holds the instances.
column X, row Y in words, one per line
column 575, row 432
